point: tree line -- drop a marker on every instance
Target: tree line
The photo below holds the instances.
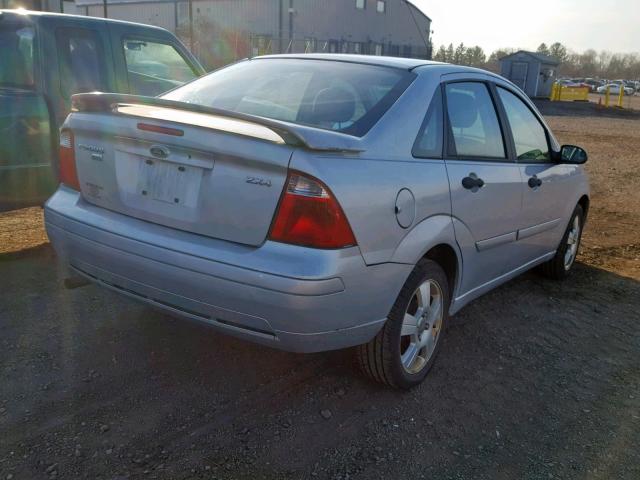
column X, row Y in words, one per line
column 589, row 63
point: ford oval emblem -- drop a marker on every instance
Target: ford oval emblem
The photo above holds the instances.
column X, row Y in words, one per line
column 159, row 152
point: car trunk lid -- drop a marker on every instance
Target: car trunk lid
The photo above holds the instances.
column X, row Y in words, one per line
column 223, row 182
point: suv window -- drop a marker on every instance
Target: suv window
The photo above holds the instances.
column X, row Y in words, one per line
column 154, row 68
column 528, row 133
column 473, row 121
column 80, row 67
column 16, row 55
column 429, row 141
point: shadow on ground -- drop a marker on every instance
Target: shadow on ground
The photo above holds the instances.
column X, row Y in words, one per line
column 535, row 380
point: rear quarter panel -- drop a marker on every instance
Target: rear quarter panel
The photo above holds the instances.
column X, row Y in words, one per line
column 367, row 184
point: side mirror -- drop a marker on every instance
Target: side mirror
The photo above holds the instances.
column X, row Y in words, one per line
column 573, row 154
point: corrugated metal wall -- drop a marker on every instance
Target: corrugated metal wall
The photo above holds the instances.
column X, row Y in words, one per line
column 257, row 16
column 342, row 20
column 71, row 9
column 226, row 30
column 158, row 14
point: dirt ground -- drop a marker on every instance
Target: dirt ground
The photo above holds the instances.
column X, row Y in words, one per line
column 536, row 380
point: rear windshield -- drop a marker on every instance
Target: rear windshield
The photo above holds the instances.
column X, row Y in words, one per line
column 339, row 96
column 16, row 55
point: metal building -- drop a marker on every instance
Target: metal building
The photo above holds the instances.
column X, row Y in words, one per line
column 219, row 31
column 533, row 72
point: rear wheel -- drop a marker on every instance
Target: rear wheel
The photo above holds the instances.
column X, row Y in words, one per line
column 404, row 350
column 560, row 265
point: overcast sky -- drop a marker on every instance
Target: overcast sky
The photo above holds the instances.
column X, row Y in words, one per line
column 612, row 25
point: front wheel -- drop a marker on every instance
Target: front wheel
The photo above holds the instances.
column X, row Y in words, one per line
column 404, row 350
column 560, row 265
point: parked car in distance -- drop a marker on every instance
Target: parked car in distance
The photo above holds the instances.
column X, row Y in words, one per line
column 318, row 202
column 614, row 89
column 592, row 84
column 567, row 82
column 44, row 59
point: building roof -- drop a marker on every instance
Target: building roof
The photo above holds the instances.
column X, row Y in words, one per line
column 395, row 62
column 541, row 57
column 411, row 4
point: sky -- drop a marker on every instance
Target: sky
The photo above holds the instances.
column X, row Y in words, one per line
column 612, row 25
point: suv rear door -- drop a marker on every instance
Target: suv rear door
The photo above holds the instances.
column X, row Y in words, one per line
column 485, row 184
column 150, row 61
column 25, row 124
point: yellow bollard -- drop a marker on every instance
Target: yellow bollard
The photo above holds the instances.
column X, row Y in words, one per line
column 552, row 97
column 606, row 96
column 620, row 95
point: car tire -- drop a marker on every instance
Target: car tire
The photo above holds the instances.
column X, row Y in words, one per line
column 559, row 267
column 388, row 357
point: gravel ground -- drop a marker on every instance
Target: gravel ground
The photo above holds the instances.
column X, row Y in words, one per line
column 535, row 380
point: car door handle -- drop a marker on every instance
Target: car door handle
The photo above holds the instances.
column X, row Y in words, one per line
column 534, row 182
column 472, row 182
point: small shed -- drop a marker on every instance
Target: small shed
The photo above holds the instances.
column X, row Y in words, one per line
column 533, row 72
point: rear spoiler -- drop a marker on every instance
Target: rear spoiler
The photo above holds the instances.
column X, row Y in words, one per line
column 291, row 134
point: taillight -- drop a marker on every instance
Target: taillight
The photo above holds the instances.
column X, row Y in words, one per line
column 310, row 216
column 67, row 157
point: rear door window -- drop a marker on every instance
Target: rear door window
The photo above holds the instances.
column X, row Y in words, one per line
column 16, row 55
column 529, row 135
column 473, row 121
column 81, row 68
column 153, row 67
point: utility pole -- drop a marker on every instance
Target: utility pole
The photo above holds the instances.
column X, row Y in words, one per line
column 104, row 8
column 280, row 26
column 191, row 26
column 290, row 26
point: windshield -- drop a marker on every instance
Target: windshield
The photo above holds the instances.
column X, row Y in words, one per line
column 339, row 96
column 16, row 55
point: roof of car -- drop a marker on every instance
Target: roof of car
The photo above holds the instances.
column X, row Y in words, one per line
column 19, row 12
column 396, row 62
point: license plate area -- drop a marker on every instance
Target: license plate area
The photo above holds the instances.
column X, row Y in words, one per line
column 169, row 182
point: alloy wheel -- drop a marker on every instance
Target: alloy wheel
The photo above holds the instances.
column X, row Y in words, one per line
column 421, row 326
column 573, row 240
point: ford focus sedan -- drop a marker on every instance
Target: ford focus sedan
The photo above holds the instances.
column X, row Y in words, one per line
column 319, row 202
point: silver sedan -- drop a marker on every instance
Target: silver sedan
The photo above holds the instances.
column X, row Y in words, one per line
column 317, row 202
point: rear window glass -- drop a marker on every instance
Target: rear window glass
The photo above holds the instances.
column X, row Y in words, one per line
column 16, row 55
column 339, row 96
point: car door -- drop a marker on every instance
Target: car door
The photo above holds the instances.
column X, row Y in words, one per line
column 25, row 124
column 485, row 184
column 545, row 183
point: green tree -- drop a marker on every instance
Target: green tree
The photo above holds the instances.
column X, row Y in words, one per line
column 459, row 54
column 475, row 57
column 449, row 56
column 542, row 48
column 559, row 52
column 441, row 54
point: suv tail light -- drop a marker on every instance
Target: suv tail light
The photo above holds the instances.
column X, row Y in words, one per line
column 67, row 157
column 309, row 215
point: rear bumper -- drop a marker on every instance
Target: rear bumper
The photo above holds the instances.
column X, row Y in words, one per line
column 285, row 296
